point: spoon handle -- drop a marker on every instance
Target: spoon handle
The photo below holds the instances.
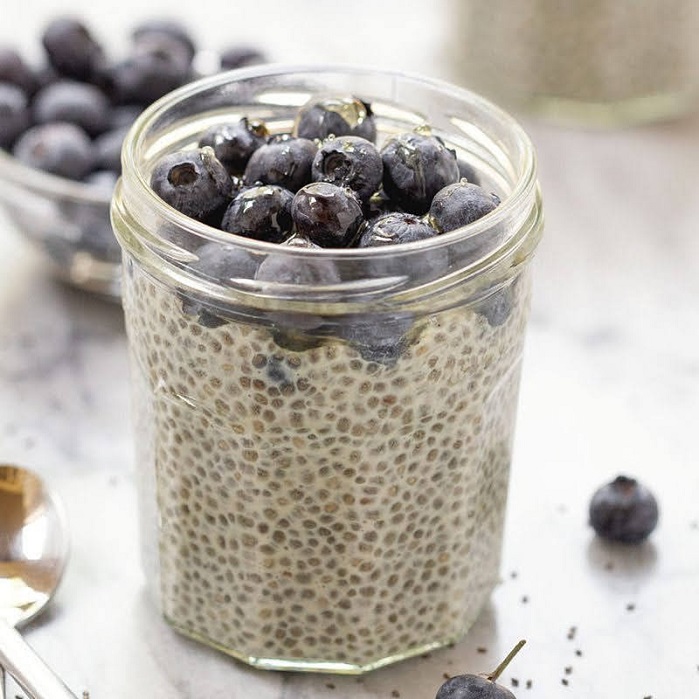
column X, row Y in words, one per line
column 28, row 669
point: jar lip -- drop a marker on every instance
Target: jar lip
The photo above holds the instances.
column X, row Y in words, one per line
column 522, row 190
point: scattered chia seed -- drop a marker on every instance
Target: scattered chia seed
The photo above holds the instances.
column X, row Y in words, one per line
column 395, row 693
column 529, row 684
column 481, row 649
column 579, row 653
column 515, row 682
column 571, row 632
column 630, row 607
column 564, row 682
column 330, row 685
column 568, row 670
column 525, row 599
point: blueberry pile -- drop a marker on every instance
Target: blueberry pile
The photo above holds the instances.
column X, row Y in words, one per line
column 69, row 117
column 326, row 184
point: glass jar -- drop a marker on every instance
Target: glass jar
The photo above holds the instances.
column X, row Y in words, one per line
column 323, row 469
column 599, row 62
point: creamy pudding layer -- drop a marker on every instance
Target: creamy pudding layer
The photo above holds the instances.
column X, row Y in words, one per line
column 314, row 505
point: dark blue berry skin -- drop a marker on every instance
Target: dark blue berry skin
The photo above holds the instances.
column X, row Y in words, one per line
column 328, row 215
column 262, row 212
column 71, row 48
column 349, row 161
column 15, row 116
column 396, row 227
column 235, row 143
column 285, row 161
column 336, row 116
column 378, row 339
column 310, row 271
column 193, row 182
column 241, row 56
column 59, row 148
column 78, row 103
column 124, row 115
column 399, row 227
column 467, row 172
column 472, row 687
column 497, row 307
column 157, row 66
column 459, row 204
column 416, row 167
column 218, row 264
column 14, row 70
column 108, row 149
column 169, row 28
column 624, row 511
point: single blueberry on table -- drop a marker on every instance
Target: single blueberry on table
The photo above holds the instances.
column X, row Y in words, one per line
column 336, row 116
column 235, row 143
column 262, row 212
column 326, row 214
column 71, row 48
column 624, row 511
column 15, row 116
column 78, row 103
column 194, row 182
column 59, row 148
column 459, row 204
column 13, row 69
column 416, row 166
column 349, row 161
column 286, row 161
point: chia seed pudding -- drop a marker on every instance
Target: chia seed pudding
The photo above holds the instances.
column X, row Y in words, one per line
column 601, row 62
column 323, row 468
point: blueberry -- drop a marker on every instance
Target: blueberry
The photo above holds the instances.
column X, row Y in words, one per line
column 286, row 161
column 378, row 339
column 396, row 227
column 416, row 167
column 336, row 116
column 497, row 307
column 283, row 269
column 218, row 264
column 78, row 103
column 14, row 114
column 624, row 511
column 235, row 143
column 262, row 212
column 14, row 70
column 349, row 161
column 108, row 149
column 71, row 48
column 241, row 56
column 124, row 115
column 59, row 148
column 169, row 28
column 194, row 182
column 473, row 687
column 459, row 204
column 157, row 66
column 328, row 215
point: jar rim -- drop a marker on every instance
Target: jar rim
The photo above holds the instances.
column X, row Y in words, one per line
column 521, row 203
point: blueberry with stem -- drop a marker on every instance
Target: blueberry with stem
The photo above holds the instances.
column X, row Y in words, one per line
column 480, row 686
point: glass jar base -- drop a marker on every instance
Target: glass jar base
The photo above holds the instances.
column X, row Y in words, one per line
column 325, row 666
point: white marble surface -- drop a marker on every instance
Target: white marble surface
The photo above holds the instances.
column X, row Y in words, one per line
column 610, row 384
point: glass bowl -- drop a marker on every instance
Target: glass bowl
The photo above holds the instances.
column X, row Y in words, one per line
column 68, row 221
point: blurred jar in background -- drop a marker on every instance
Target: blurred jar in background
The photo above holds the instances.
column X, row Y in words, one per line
column 601, row 62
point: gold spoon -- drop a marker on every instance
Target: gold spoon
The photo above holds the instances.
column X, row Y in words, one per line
column 33, row 554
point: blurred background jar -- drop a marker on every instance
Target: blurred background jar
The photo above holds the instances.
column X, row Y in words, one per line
column 602, row 62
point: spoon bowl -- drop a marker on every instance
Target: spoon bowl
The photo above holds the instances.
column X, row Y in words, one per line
column 33, row 554
column 33, row 545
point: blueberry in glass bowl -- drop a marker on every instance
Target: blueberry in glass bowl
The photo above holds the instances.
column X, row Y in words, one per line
column 61, row 129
